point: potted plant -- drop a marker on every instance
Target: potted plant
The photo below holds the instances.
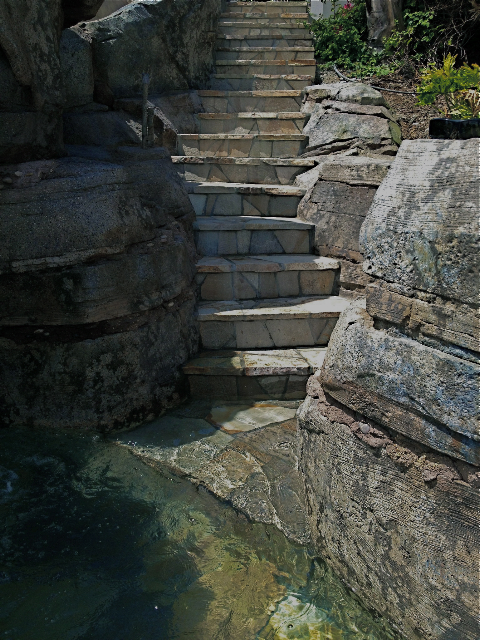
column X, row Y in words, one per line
column 460, row 89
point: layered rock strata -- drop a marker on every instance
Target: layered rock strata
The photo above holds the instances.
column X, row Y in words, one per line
column 352, row 136
column 389, row 437
column 96, row 274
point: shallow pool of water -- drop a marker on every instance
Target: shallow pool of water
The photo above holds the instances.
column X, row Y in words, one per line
column 96, row 545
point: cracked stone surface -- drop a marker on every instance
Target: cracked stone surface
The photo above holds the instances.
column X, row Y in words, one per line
column 243, row 453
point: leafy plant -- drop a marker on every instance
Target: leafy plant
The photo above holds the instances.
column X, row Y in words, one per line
column 459, row 87
column 342, row 38
column 416, row 40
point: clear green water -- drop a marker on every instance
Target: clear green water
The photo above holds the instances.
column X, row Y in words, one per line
column 96, row 545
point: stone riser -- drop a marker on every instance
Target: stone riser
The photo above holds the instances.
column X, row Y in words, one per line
column 259, row 84
column 281, row 387
column 250, row 125
column 267, row 54
column 260, row 67
column 237, row 204
column 271, row 9
column 265, row 41
column 264, row 18
column 253, row 242
column 250, row 174
column 267, row 32
column 268, row 333
column 237, row 104
column 239, row 147
column 251, row 285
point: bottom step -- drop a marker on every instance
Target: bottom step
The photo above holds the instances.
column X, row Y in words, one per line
column 279, row 374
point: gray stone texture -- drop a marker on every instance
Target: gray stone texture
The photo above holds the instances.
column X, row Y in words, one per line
column 96, row 289
column 77, row 68
column 398, row 522
column 173, row 41
column 338, row 199
column 30, row 79
column 423, row 228
column 421, row 392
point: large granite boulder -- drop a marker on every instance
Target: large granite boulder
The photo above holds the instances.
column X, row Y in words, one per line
column 390, row 432
column 30, row 79
column 423, row 229
column 96, row 289
column 172, row 40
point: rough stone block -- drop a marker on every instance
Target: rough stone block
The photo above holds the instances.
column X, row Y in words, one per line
column 423, row 227
column 77, row 68
column 421, row 392
column 397, row 522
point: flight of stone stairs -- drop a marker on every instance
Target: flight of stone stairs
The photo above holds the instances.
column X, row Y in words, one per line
column 268, row 305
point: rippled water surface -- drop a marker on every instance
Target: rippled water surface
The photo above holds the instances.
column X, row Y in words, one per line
column 96, row 545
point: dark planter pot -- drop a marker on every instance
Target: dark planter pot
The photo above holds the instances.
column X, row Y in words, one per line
column 454, row 129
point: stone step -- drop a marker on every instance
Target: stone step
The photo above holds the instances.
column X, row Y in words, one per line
column 215, row 101
column 260, row 82
column 245, row 278
column 244, row 16
column 239, row 199
column 241, row 146
column 251, row 122
column 235, row 41
column 266, row 67
column 248, row 170
column 271, row 8
column 259, row 29
column 252, row 235
column 265, row 53
column 279, row 374
column 264, row 324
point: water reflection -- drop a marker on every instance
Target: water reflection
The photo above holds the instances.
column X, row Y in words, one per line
column 96, row 545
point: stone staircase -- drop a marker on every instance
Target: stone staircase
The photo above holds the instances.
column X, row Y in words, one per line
column 267, row 304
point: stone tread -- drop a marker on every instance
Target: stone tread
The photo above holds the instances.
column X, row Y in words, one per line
column 264, row 49
column 266, row 264
column 241, row 136
column 249, row 223
column 264, row 76
column 287, row 3
column 260, row 36
column 274, row 362
column 283, row 115
column 243, row 188
column 231, row 15
column 274, row 309
column 269, row 93
column 262, row 63
column 283, row 162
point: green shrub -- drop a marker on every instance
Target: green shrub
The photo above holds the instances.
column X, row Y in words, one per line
column 459, row 87
column 342, row 38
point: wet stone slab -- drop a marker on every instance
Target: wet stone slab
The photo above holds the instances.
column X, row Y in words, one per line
column 243, row 453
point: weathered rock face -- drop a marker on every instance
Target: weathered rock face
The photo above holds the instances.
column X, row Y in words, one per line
column 171, row 40
column 338, row 201
column 390, row 435
column 348, row 115
column 97, row 303
column 30, row 79
column 396, row 521
column 352, row 135
column 43, row 72
column 429, row 204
